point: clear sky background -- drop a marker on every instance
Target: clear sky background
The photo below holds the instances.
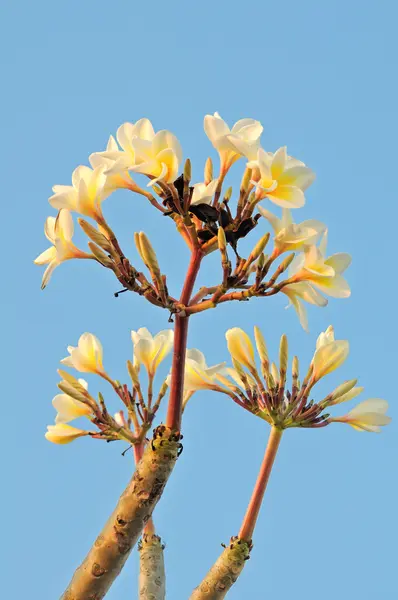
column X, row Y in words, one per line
column 321, row 77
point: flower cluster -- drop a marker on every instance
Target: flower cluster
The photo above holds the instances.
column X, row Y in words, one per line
column 203, row 216
column 268, row 397
column 148, row 352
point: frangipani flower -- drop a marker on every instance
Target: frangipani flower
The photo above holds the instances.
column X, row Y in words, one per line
column 122, row 160
column 69, row 408
column 241, row 348
column 290, row 235
column 85, row 194
column 116, row 178
column 231, row 144
column 63, row 434
column 59, row 231
column 159, row 158
column 303, row 291
column 329, row 355
column 151, row 350
column 198, row 376
column 87, row 356
column 325, row 337
column 282, row 180
column 324, row 273
column 369, row 415
column 202, row 193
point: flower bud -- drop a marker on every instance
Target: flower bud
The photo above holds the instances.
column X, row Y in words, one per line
column 222, row 240
column 208, row 175
column 187, row 170
column 94, row 235
column 100, row 255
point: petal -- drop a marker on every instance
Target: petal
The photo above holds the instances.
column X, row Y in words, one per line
column 215, row 128
column 49, row 229
column 278, row 163
column 340, row 262
column 275, row 223
column 46, row 257
column 240, row 347
column 144, row 129
column 63, row 434
column 301, row 177
column 329, row 357
column 197, row 356
column 124, row 136
column 336, row 287
column 64, row 225
column 287, row 196
column 48, row 273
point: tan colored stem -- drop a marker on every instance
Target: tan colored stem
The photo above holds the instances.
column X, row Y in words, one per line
column 224, row 573
column 152, row 578
column 102, row 565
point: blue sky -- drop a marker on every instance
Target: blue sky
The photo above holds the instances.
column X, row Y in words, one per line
column 321, row 78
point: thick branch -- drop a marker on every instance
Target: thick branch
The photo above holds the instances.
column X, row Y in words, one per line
column 111, row 549
column 152, row 578
column 224, row 573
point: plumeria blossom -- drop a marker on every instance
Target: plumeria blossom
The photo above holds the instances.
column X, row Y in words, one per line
column 323, row 273
column 282, row 179
column 241, row 348
column 242, row 140
column 63, row 434
column 69, row 408
column 303, row 292
column 87, row 356
column 116, row 178
column 204, row 194
column 290, row 235
column 151, row 350
column 121, row 159
column 368, row 415
column 157, row 155
column 198, row 375
column 86, row 193
column 59, row 231
column 159, row 158
column 329, row 355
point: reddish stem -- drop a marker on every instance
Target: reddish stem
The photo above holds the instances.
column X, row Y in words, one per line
column 250, row 519
column 174, row 410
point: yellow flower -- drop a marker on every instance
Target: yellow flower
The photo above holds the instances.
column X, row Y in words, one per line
column 157, row 155
column 87, row 356
column 329, row 354
column 202, row 193
column 290, row 235
column 85, row 194
column 59, row 231
column 151, row 350
column 198, row 376
column 63, row 434
column 282, row 179
column 116, row 178
column 121, row 160
column 69, row 408
column 241, row 348
column 231, row 144
column 369, row 415
column 299, row 292
column 324, row 273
